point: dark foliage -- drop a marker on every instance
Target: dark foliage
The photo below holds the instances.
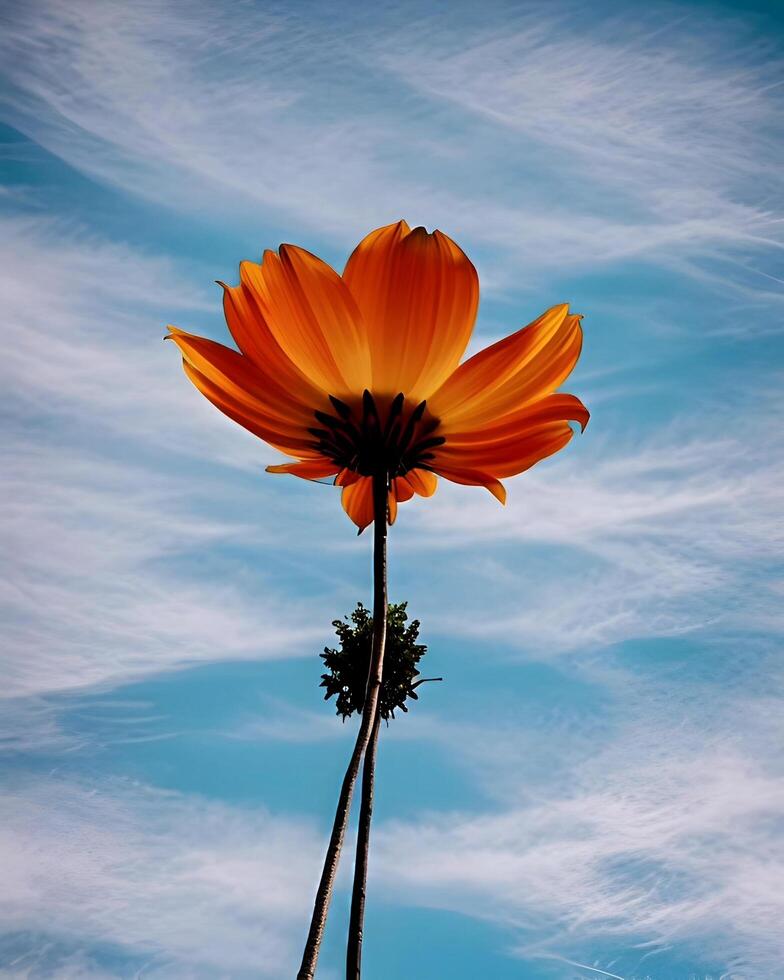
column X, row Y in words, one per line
column 349, row 665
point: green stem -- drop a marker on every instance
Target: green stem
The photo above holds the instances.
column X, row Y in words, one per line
column 318, row 920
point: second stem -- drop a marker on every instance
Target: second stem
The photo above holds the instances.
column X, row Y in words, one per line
column 366, row 736
column 359, row 890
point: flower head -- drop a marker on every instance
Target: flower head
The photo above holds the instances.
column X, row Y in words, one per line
column 360, row 374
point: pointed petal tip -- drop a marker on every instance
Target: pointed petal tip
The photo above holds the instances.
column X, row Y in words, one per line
column 498, row 490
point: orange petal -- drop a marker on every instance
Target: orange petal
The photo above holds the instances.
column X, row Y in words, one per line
column 357, row 500
column 239, row 378
column 559, row 407
column 346, row 477
column 402, row 489
column 422, row 482
column 506, row 457
column 472, row 478
column 311, row 314
column 515, row 371
column 309, row 469
column 255, row 339
column 391, row 508
column 241, row 412
column 418, row 295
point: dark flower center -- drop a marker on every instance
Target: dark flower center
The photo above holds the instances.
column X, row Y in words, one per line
column 369, row 441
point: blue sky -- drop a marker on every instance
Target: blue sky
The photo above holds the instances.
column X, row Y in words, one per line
column 596, row 789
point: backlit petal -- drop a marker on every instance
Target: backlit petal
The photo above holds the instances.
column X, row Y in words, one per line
column 244, row 414
column 311, row 314
column 418, row 295
column 241, row 380
column 309, row 469
column 514, row 426
column 472, row 478
column 402, row 489
column 346, row 477
column 506, row 457
column 254, row 338
column 391, row 508
column 422, row 482
column 357, row 500
column 515, row 371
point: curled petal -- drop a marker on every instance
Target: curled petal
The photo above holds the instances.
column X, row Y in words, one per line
column 514, row 426
column 507, row 457
column 517, row 370
column 418, row 295
column 307, row 469
column 472, row 478
column 391, row 508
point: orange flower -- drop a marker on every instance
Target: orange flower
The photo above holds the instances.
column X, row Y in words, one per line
column 358, row 374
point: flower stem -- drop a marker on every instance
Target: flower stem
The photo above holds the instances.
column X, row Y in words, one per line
column 364, row 736
column 359, row 891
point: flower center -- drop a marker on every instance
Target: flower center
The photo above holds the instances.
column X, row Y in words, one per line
column 369, row 441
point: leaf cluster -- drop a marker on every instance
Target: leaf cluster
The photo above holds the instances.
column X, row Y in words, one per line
column 349, row 665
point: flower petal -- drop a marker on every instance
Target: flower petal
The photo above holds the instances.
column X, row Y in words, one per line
column 243, row 413
column 309, row 311
column 346, row 477
column 391, row 508
column 402, row 489
column 472, row 478
column 239, row 378
column 357, row 500
column 515, row 371
column 507, row 457
column 308, row 469
column 515, row 425
column 254, row 338
column 418, row 295
column 422, row 482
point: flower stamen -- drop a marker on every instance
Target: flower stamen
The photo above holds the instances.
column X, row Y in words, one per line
column 367, row 446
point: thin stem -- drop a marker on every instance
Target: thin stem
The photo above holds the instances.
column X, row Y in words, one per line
column 359, row 891
column 324, row 894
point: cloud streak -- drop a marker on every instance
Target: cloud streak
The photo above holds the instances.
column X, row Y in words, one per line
column 680, row 534
column 655, row 140
column 166, row 885
column 666, row 837
column 111, row 466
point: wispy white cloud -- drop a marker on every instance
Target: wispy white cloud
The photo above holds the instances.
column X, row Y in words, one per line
column 111, row 468
column 612, row 541
column 545, row 147
column 674, row 117
column 85, row 319
column 168, row 885
column 654, row 139
column 93, row 597
column 666, row 835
